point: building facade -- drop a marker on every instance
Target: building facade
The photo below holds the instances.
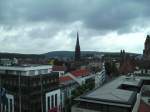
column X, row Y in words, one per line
column 30, row 87
column 146, row 51
column 53, row 103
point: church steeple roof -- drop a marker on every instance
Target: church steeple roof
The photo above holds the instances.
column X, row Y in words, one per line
column 77, row 48
column 77, row 42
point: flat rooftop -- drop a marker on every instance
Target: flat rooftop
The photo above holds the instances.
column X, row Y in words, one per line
column 111, row 94
column 25, row 67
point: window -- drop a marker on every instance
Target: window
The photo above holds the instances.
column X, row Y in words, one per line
column 2, row 71
column 55, row 100
column 10, row 105
column 44, row 71
column 23, row 73
column 48, row 102
column 32, row 72
column 52, row 101
column 61, row 74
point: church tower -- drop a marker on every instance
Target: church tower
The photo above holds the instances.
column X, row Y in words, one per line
column 146, row 51
column 77, row 49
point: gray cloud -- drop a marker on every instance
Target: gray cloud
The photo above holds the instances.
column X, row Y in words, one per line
column 96, row 14
column 40, row 21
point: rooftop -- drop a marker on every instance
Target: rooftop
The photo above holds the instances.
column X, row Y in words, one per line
column 25, row 67
column 111, row 94
column 131, row 81
column 65, row 79
column 59, row 68
column 80, row 73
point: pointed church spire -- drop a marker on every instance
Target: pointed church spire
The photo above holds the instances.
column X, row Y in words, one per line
column 77, row 49
column 77, row 42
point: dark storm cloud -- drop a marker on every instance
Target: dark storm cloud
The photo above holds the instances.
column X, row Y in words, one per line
column 116, row 15
column 104, row 15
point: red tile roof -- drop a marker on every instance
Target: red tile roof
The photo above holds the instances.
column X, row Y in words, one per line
column 59, row 68
column 144, row 107
column 76, row 73
column 64, row 79
column 80, row 73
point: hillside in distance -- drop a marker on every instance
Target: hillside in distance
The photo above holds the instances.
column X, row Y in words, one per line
column 60, row 54
column 19, row 55
column 70, row 54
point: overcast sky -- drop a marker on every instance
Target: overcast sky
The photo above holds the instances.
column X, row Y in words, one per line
column 39, row 26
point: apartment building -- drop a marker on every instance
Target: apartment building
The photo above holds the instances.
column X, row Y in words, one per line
column 31, row 87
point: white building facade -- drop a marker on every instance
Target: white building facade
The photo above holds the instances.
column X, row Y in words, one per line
column 9, row 107
column 53, row 101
